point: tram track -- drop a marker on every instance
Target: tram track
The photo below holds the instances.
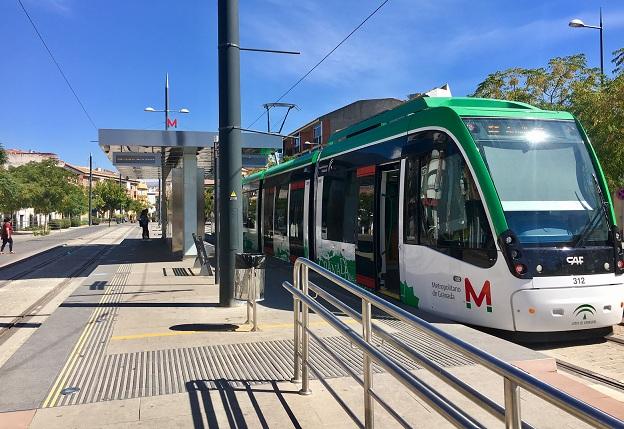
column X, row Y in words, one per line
column 48, row 261
column 31, row 312
column 590, row 375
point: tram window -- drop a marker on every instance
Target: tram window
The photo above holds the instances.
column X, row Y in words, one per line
column 410, row 226
column 250, row 209
column 296, row 214
column 268, row 211
column 281, row 210
column 451, row 212
column 338, row 214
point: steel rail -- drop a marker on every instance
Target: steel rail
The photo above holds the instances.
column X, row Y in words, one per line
column 7, row 331
column 424, row 392
column 514, row 378
column 474, row 395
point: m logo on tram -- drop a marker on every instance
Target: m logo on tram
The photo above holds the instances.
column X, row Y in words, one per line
column 485, row 294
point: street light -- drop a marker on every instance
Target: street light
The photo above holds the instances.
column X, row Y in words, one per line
column 577, row 23
column 161, row 179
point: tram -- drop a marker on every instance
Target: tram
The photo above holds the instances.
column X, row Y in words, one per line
column 488, row 212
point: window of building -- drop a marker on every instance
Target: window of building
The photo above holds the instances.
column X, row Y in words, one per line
column 297, row 143
column 317, row 133
column 339, row 205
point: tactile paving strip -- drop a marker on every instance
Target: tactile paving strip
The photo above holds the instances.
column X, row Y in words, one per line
column 102, row 377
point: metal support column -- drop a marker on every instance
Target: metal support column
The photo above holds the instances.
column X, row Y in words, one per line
column 90, row 190
column 230, row 239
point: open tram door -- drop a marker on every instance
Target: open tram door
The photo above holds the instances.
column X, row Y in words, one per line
column 377, row 236
column 388, row 242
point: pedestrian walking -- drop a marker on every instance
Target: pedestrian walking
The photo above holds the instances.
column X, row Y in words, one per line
column 7, row 235
column 143, row 223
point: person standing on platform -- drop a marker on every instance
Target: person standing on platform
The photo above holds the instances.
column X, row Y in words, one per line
column 143, row 223
column 7, row 235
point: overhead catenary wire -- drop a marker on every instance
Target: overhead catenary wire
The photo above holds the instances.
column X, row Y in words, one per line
column 309, row 72
column 58, row 66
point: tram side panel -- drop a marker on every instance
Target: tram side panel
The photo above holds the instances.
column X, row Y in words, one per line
column 450, row 263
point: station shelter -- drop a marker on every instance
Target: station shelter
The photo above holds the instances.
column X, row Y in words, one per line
column 183, row 162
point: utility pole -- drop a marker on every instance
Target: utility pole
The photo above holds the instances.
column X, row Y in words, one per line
column 161, row 181
column 90, row 190
column 601, row 52
column 230, row 161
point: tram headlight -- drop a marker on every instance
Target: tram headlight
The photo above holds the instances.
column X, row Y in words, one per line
column 607, row 266
column 539, row 268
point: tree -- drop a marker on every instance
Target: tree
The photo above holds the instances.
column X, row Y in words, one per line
column 75, row 202
column 209, row 202
column 3, row 156
column 44, row 186
column 110, row 196
column 11, row 193
column 568, row 84
column 552, row 87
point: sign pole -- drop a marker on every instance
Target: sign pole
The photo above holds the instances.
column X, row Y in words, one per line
column 230, row 186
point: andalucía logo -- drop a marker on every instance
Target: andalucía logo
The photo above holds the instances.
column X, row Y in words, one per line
column 485, row 294
column 584, row 309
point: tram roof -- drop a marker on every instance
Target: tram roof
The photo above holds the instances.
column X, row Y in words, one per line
column 461, row 106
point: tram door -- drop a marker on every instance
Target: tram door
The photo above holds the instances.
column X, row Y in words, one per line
column 388, row 242
column 365, row 268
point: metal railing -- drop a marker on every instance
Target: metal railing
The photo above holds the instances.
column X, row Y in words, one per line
column 514, row 378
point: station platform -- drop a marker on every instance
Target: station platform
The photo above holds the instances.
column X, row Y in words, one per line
column 142, row 342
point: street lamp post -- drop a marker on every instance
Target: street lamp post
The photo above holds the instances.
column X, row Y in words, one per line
column 90, row 190
column 577, row 23
column 162, row 178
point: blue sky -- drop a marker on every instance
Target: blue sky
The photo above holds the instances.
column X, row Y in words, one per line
column 116, row 53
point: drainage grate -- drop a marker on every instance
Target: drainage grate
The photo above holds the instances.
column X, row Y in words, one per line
column 179, row 272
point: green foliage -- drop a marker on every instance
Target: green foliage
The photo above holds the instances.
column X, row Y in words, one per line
column 109, row 196
column 209, row 202
column 11, row 193
column 552, row 87
column 568, row 84
column 138, row 205
column 3, row 156
column 618, row 61
column 75, row 221
column 55, row 224
column 75, row 202
column 44, row 185
column 38, row 231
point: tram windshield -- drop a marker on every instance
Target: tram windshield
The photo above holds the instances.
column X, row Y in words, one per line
column 545, row 179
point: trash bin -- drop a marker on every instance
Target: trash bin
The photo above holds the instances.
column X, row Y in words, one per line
column 249, row 277
column 249, row 282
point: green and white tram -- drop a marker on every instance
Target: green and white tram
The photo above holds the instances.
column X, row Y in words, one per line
column 489, row 212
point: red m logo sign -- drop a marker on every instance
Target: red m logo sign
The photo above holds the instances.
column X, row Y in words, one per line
column 471, row 295
column 173, row 123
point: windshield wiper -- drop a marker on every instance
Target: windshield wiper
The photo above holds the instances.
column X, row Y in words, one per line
column 593, row 223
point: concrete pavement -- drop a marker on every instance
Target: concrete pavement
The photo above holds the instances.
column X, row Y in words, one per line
column 146, row 345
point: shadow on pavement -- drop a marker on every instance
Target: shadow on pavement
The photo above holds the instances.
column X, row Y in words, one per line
column 202, row 397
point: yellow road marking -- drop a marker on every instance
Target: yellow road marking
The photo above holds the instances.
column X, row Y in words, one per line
column 242, row 328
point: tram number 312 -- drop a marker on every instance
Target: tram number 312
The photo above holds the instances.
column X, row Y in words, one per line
column 579, row 280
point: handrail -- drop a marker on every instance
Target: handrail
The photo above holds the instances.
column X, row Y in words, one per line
column 514, row 378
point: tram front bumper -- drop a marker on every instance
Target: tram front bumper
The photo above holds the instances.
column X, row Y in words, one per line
column 567, row 309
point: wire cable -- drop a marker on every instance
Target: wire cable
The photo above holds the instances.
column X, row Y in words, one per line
column 58, row 66
column 309, row 72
